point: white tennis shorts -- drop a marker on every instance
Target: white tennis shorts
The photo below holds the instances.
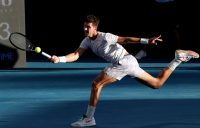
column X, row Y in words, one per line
column 128, row 65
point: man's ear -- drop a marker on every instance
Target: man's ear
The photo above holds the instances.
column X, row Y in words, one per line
column 96, row 27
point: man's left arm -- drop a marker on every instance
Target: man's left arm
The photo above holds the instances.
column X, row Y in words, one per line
column 128, row 40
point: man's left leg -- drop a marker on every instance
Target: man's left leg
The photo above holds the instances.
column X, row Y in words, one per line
column 157, row 82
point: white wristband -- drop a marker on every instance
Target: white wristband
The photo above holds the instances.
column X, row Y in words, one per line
column 144, row 41
column 62, row 59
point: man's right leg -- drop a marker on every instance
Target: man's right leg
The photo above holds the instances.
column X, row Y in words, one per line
column 100, row 81
column 157, row 82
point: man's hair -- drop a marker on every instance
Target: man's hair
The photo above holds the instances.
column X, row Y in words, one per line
column 92, row 19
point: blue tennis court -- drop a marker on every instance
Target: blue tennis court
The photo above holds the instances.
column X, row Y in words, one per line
column 46, row 95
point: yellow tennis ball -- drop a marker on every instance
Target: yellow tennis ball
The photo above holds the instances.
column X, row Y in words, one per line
column 37, row 49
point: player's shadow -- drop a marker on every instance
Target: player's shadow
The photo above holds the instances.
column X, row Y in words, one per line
column 8, row 57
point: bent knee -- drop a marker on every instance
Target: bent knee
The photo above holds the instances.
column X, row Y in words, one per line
column 156, row 85
column 96, row 85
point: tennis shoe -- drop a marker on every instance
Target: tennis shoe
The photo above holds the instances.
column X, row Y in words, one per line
column 185, row 55
column 84, row 121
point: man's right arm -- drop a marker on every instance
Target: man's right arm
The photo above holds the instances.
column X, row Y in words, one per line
column 71, row 57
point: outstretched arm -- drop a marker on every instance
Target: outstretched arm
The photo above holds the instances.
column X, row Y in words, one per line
column 126, row 40
column 71, row 57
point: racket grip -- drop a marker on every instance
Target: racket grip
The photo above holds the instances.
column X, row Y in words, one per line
column 46, row 55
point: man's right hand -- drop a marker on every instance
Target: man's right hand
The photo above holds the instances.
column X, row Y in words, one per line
column 55, row 59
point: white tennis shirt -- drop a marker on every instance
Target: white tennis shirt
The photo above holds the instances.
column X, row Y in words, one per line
column 105, row 46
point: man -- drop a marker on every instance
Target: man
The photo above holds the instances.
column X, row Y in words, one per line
column 108, row 46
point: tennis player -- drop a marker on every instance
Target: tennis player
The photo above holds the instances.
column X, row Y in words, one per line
column 109, row 46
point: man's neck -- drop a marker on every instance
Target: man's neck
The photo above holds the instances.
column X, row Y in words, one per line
column 94, row 36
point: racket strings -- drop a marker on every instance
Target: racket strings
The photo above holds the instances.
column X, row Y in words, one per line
column 21, row 42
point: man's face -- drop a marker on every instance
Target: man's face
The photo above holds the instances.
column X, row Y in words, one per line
column 89, row 29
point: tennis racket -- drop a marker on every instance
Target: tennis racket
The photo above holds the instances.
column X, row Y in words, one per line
column 21, row 42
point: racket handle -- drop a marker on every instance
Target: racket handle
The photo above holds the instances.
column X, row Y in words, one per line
column 46, row 55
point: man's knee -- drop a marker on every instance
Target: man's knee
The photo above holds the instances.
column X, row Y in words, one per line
column 96, row 85
column 157, row 84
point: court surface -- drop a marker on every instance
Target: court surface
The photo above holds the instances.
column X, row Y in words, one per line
column 46, row 95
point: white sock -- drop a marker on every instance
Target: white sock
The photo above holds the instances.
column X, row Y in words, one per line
column 173, row 64
column 90, row 111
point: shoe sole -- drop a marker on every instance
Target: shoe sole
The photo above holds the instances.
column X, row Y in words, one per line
column 191, row 53
column 93, row 126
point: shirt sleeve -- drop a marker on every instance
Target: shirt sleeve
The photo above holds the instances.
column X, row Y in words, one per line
column 111, row 38
column 84, row 44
